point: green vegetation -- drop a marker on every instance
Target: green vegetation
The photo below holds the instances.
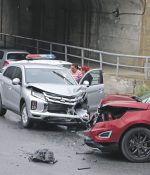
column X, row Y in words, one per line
column 141, row 90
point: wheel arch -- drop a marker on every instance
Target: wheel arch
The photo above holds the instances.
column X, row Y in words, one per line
column 22, row 101
column 131, row 127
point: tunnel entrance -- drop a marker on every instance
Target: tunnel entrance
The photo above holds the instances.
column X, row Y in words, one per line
column 108, row 25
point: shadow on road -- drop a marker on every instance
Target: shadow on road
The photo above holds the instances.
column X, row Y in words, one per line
column 116, row 156
column 45, row 127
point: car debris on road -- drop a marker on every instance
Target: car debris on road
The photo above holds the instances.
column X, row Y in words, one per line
column 85, row 168
column 43, row 155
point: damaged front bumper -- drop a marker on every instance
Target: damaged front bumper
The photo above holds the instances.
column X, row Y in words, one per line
column 105, row 147
column 80, row 116
column 65, row 111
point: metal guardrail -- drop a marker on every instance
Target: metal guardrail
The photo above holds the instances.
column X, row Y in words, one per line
column 83, row 54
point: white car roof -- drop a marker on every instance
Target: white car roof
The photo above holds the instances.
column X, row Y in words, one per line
column 31, row 65
column 50, row 62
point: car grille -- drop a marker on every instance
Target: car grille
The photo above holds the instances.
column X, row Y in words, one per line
column 54, row 107
column 68, row 100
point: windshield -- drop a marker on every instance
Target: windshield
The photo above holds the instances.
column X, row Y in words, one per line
column 51, row 76
column 145, row 98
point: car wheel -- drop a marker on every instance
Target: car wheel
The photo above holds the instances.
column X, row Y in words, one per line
column 25, row 120
column 2, row 110
column 135, row 144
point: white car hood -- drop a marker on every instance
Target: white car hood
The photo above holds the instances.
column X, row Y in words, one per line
column 62, row 90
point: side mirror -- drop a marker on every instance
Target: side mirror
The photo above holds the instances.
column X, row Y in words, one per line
column 16, row 81
column 86, row 83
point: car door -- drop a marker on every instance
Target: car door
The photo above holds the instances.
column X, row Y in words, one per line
column 95, row 90
column 16, row 91
column 6, row 86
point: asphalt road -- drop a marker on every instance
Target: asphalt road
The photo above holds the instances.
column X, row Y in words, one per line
column 17, row 143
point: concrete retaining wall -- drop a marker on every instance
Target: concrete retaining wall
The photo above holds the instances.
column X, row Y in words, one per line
column 87, row 23
column 115, row 85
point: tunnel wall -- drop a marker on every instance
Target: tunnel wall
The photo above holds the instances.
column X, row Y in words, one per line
column 87, row 23
column 118, row 34
column 15, row 17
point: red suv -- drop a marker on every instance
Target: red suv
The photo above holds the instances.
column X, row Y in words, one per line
column 121, row 123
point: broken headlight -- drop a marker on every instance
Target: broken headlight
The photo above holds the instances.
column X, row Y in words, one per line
column 105, row 134
column 38, row 95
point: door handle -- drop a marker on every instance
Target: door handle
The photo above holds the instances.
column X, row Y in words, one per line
column 9, row 87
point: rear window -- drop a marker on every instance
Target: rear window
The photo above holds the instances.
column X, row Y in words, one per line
column 66, row 66
column 16, row 56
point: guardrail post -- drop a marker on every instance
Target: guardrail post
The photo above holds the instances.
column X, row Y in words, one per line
column 117, row 67
column 50, row 47
column 1, row 36
column 82, row 57
column 66, row 51
column 4, row 41
column 37, row 46
column 101, row 60
column 146, row 69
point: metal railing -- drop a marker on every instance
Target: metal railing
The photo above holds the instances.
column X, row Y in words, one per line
column 74, row 54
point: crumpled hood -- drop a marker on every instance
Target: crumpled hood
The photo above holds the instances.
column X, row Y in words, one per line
column 128, row 104
column 62, row 90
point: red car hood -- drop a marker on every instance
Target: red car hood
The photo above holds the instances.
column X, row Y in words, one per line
column 125, row 103
column 111, row 98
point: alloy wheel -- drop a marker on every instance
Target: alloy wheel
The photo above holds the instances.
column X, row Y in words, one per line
column 139, row 144
column 135, row 144
column 24, row 115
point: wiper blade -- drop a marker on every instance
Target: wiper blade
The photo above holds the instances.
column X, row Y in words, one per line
column 62, row 77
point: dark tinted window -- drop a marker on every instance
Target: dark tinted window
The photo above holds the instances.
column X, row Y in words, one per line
column 9, row 72
column 97, row 77
column 94, row 77
column 16, row 56
column 18, row 73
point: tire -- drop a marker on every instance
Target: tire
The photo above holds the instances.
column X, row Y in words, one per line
column 2, row 110
column 25, row 120
column 135, row 145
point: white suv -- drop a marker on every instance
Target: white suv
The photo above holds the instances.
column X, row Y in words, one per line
column 8, row 56
column 49, row 59
column 48, row 93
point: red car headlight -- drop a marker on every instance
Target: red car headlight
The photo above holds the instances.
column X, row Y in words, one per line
column 105, row 134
